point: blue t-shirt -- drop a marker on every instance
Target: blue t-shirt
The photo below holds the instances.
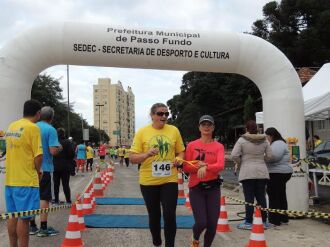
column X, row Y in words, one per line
column 81, row 152
column 49, row 139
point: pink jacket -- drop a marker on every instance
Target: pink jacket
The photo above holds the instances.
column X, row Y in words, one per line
column 213, row 154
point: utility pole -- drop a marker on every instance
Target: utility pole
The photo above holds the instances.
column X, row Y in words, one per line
column 68, row 88
column 99, row 105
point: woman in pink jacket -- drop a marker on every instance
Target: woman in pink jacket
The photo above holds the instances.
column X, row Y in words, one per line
column 204, row 181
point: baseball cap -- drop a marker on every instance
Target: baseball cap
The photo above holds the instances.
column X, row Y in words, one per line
column 206, row 118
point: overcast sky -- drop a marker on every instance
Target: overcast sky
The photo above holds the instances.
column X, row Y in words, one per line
column 217, row 15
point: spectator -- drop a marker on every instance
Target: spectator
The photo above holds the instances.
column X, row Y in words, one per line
column 90, row 156
column 23, row 171
column 280, row 172
column 62, row 167
column 204, row 181
column 50, row 147
column 155, row 146
column 249, row 153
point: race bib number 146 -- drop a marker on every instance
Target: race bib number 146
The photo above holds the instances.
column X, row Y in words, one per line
column 161, row 168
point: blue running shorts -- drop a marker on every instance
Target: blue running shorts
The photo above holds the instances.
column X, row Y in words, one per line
column 22, row 199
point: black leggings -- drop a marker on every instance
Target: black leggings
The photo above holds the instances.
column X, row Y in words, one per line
column 165, row 195
column 126, row 161
column 65, row 177
column 90, row 164
column 276, row 190
column 205, row 205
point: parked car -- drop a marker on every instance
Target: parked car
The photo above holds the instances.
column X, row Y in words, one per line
column 321, row 153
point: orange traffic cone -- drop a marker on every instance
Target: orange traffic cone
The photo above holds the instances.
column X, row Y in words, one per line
column 87, row 206
column 111, row 171
column 180, row 185
column 72, row 235
column 187, row 203
column 257, row 237
column 98, row 190
column 107, row 177
column 223, row 225
column 92, row 196
column 80, row 215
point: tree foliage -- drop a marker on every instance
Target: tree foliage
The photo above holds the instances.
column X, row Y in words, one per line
column 220, row 95
column 300, row 28
column 249, row 112
column 47, row 90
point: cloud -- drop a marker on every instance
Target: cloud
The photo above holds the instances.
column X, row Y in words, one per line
column 149, row 86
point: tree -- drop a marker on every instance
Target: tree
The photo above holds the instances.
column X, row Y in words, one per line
column 217, row 94
column 47, row 90
column 249, row 112
column 300, row 28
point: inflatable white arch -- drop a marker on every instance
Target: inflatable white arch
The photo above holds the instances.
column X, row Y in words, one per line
column 23, row 58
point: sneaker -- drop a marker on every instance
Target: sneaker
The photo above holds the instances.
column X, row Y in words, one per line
column 43, row 233
column 268, row 225
column 244, row 226
column 67, row 203
column 52, row 231
column 55, row 204
column 194, row 243
column 34, row 230
column 47, row 233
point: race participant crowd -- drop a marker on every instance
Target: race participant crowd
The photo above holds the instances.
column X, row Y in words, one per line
column 37, row 154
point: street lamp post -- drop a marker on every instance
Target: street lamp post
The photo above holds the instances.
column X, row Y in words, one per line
column 99, row 105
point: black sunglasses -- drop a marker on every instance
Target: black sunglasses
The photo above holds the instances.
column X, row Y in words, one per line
column 160, row 113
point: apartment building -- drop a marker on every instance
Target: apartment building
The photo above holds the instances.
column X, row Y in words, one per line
column 114, row 111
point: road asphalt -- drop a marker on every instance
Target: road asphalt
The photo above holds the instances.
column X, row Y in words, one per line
column 301, row 232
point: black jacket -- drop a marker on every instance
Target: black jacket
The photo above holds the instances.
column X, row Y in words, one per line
column 64, row 160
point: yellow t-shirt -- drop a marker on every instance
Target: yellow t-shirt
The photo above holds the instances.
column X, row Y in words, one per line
column 23, row 144
column 126, row 155
column 169, row 142
column 89, row 152
column 121, row 152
